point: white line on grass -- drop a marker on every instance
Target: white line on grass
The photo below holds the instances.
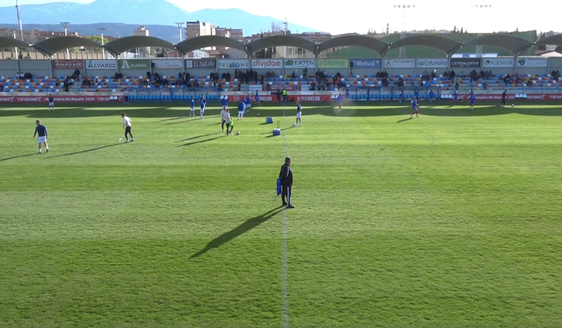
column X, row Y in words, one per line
column 284, row 288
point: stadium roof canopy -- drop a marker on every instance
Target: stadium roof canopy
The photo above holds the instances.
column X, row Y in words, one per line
column 51, row 46
column 444, row 44
column 281, row 40
column 552, row 40
column 121, row 45
column 208, row 41
column 353, row 40
column 512, row 43
column 12, row 43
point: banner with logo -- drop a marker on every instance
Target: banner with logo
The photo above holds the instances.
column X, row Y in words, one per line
column 399, row 63
column 267, row 63
column 291, row 98
column 497, row 62
column 466, row 62
column 176, row 64
column 44, row 99
column 101, row 64
column 532, row 62
column 143, row 64
column 233, row 64
column 68, row 64
column 288, row 87
column 300, row 63
column 209, row 63
column 432, row 63
column 333, row 63
column 366, row 63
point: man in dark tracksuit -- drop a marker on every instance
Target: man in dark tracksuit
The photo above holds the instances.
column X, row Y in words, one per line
column 504, row 95
column 286, row 176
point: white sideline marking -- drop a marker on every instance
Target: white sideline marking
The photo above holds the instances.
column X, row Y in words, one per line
column 284, row 287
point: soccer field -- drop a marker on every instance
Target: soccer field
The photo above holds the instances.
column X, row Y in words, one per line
column 453, row 219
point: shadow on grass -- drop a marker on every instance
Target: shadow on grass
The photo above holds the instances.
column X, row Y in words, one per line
column 171, row 119
column 199, row 142
column 85, row 151
column 18, row 156
column 368, row 109
column 199, row 136
column 238, row 231
column 404, row 120
column 188, row 119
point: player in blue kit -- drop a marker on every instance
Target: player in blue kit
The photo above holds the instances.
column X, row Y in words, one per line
column 241, row 109
column 41, row 130
column 202, row 104
column 258, row 99
column 192, row 112
column 248, row 103
column 51, row 102
column 472, row 98
column 299, row 114
column 415, row 107
column 224, row 102
column 339, row 100
column 431, row 96
column 401, row 97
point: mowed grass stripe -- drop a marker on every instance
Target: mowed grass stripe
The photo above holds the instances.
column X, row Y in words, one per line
column 451, row 219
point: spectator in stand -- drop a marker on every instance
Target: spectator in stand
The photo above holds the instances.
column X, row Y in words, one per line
column 452, row 75
column 305, row 72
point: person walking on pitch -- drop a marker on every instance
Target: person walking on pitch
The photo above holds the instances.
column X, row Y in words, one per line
column 43, row 135
column 299, row 114
column 202, row 103
column 286, row 176
column 472, row 98
column 192, row 112
column 223, row 116
column 415, row 107
column 257, row 99
column 248, row 102
column 51, row 102
column 127, row 124
column 229, row 123
column 241, row 109
column 504, row 98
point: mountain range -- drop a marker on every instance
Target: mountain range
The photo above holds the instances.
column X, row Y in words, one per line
column 134, row 12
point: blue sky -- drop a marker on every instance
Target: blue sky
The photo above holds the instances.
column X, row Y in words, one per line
column 362, row 15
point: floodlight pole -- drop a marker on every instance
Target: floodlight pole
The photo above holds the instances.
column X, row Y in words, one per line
column 102, row 29
column 65, row 25
column 402, row 53
column 180, row 26
column 480, row 48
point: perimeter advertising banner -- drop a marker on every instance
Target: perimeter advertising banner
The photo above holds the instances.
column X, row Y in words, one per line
column 143, row 64
column 292, row 98
column 233, row 64
column 176, row 64
column 333, row 63
column 466, row 62
column 267, row 63
column 432, row 63
column 209, row 63
column 532, row 62
column 101, row 64
column 497, row 62
column 64, row 99
column 300, row 63
column 68, row 64
column 365, row 63
column 399, row 63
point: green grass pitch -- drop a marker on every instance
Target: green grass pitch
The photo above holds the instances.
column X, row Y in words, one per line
column 453, row 219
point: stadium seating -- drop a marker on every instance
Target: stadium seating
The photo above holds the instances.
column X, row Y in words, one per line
column 353, row 82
